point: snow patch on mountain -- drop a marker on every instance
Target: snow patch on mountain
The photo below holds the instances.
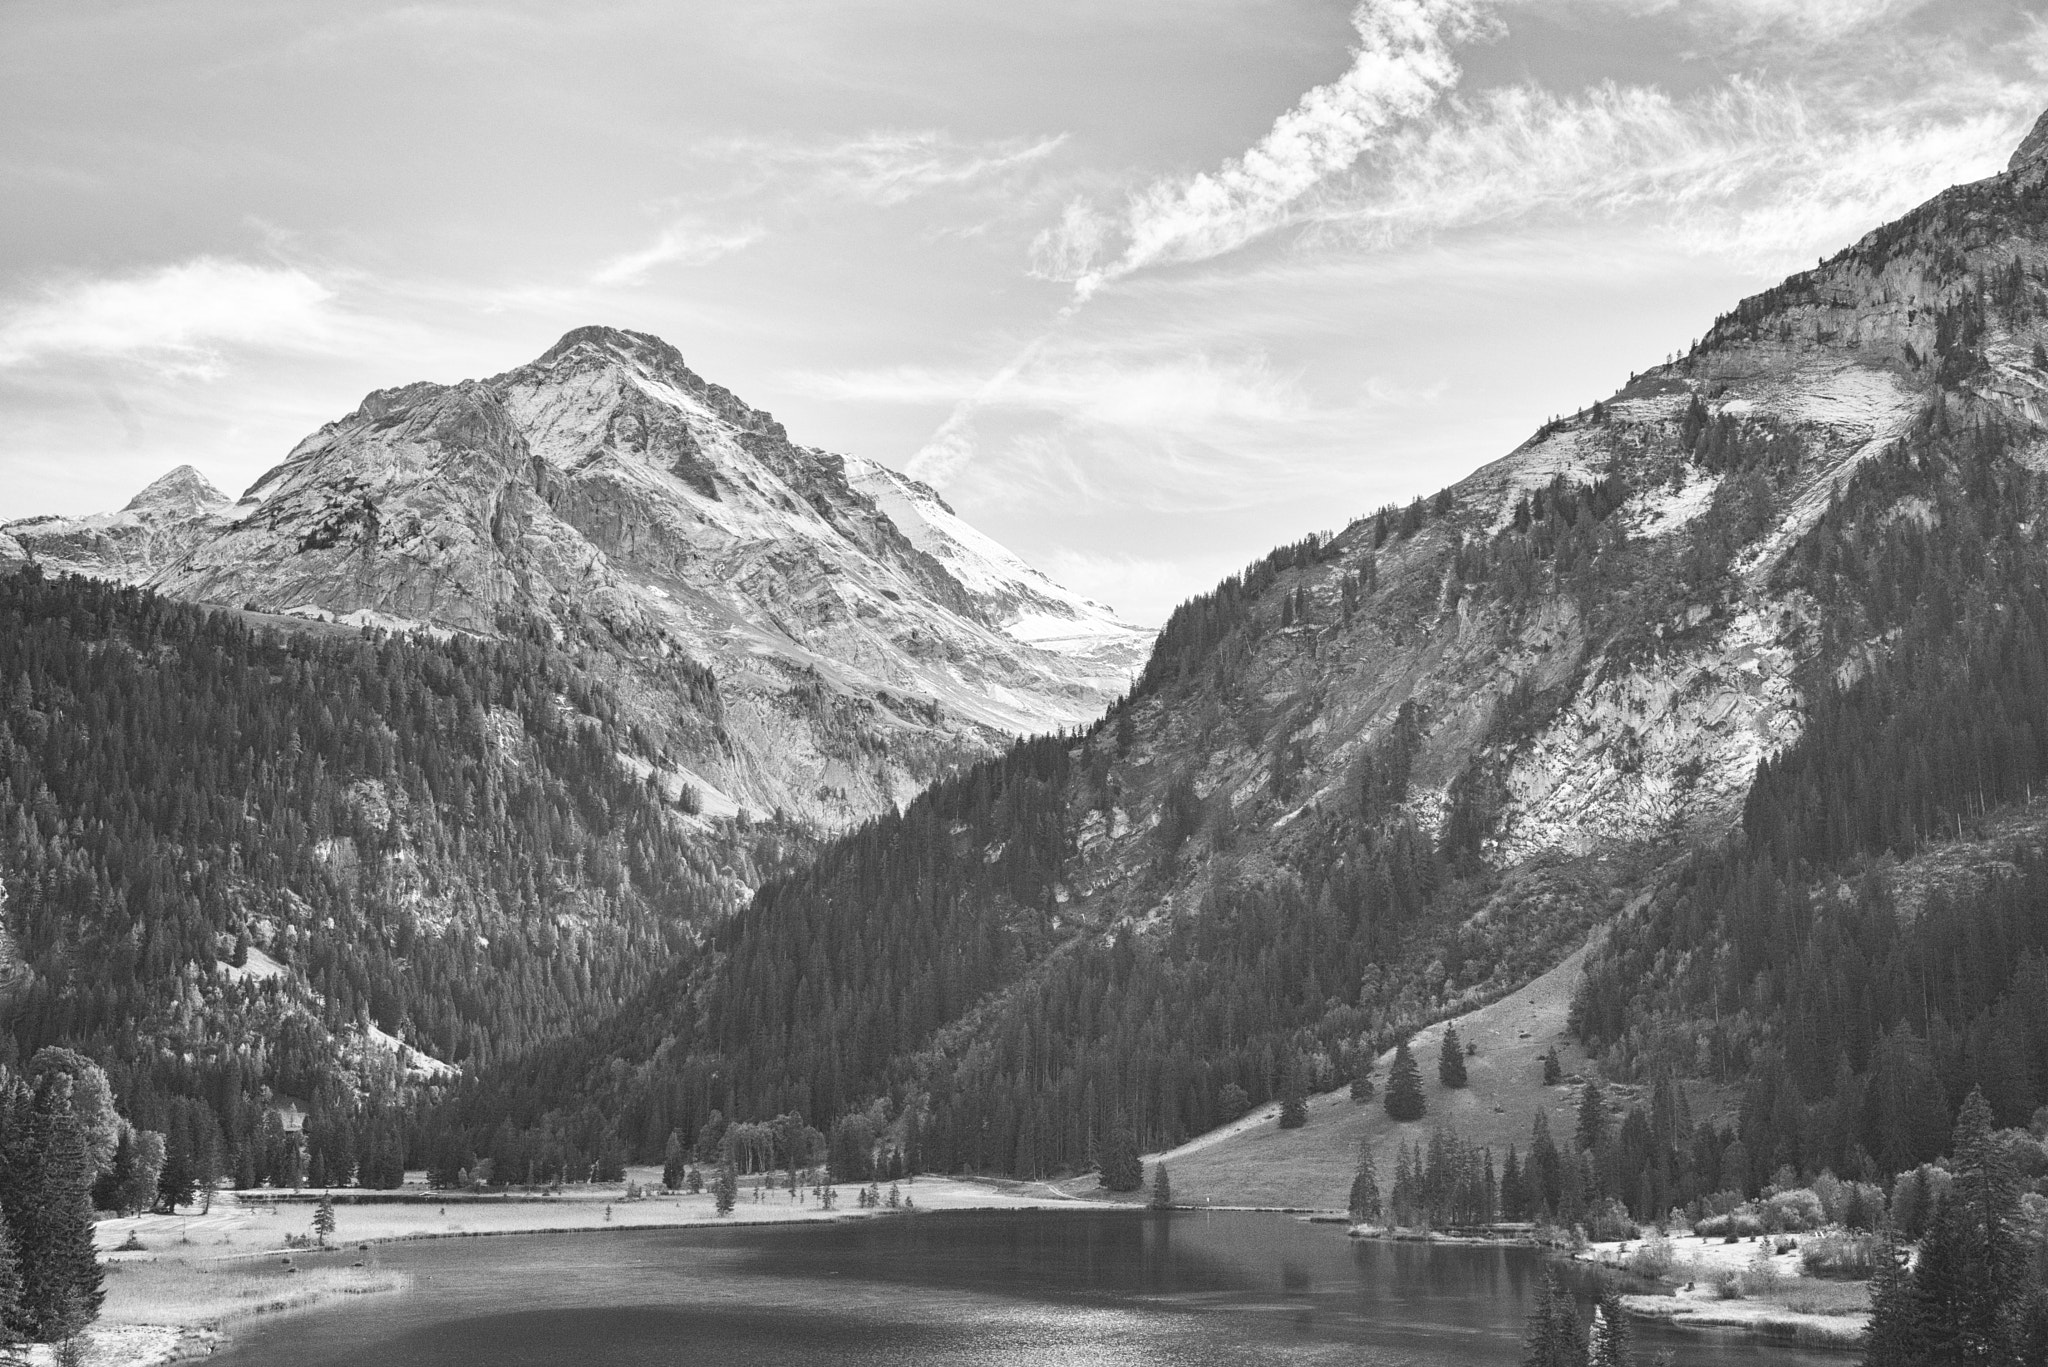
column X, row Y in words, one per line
column 1021, row 600
column 156, row 527
column 803, row 632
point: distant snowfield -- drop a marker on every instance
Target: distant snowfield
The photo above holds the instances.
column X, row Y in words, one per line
column 1030, row 607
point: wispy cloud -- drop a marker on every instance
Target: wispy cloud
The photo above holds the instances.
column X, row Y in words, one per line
column 686, row 241
column 1747, row 170
column 175, row 318
column 1403, row 64
column 1080, row 425
column 1731, row 23
column 884, row 167
column 1186, row 392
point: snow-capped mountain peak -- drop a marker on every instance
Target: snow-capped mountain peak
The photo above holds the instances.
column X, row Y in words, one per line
column 862, row 637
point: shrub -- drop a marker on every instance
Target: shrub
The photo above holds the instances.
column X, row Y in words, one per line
column 1916, row 1196
column 1761, row 1277
column 1794, row 1211
column 1727, row 1283
column 1839, row 1257
column 1609, row 1221
column 1654, row 1261
column 1742, row 1223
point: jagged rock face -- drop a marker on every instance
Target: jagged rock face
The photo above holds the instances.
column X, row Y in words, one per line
column 608, row 492
column 2033, row 148
column 1024, row 601
column 1625, row 700
column 156, row 528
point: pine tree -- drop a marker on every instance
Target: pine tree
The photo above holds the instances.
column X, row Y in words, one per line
column 1592, row 1129
column 726, row 1190
column 1365, row 1188
column 1972, row 1269
column 13, row 1320
column 1361, row 1082
column 1553, row 1338
column 1404, row 1086
column 60, row 1271
column 674, row 1162
column 323, row 1218
column 1514, row 1194
column 1122, row 1169
column 1553, row 1068
column 1896, row 1337
column 1450, row 1059
column 1293, row 1097
column 1162, row 1188
column 1612, row 1342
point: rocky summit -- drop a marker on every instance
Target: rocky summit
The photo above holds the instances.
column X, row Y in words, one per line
column 803, row 632
column 1772, row 607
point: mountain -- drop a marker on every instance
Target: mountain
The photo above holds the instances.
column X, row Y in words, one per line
column 158, row 527
column 242, row 865
column 1379, row 779
column 801, row 632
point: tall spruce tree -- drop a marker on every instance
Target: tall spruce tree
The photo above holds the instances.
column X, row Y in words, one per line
column 1554, row 1338
column 53, row 1174
column 1122, row 1168
column 675, row 1163
column 1896, row 1337
column 1405, row 1100
column 1592, row 1127
column 13, row 1320
column 1450, row 1059
column 1612, row 1342
column 1971, row 1277
column 1365, row 1187
column 1293, row 1096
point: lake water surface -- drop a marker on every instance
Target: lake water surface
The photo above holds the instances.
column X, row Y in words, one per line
column 996, row 1289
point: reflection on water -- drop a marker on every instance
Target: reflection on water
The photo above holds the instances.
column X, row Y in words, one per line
column 1015, row 1289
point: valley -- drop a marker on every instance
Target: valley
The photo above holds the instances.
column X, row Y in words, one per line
column 564, row 779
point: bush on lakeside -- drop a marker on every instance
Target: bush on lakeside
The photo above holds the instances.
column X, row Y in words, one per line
column 1847, row 1257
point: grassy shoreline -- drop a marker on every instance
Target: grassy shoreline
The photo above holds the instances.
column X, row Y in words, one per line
column 194, row 1276
column 1747, row 1285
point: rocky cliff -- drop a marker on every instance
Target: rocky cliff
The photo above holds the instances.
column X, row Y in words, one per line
column 158, row 526
column 1381, row 778
column 804, row 632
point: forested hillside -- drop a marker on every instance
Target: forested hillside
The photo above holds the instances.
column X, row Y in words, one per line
column 1388, row 774
column 234, row 855
column 1782, row 956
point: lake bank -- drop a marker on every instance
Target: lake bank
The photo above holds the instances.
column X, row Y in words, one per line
column 1749, row 1285
column 991, row 1288
column 195, row 1276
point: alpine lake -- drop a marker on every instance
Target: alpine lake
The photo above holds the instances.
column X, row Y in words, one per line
column 1026, row 1288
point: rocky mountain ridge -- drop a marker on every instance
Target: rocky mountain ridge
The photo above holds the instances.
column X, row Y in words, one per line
column 803, row 632
column 1382, row 778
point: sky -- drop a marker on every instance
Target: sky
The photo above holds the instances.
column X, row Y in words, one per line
column 1144, row 288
